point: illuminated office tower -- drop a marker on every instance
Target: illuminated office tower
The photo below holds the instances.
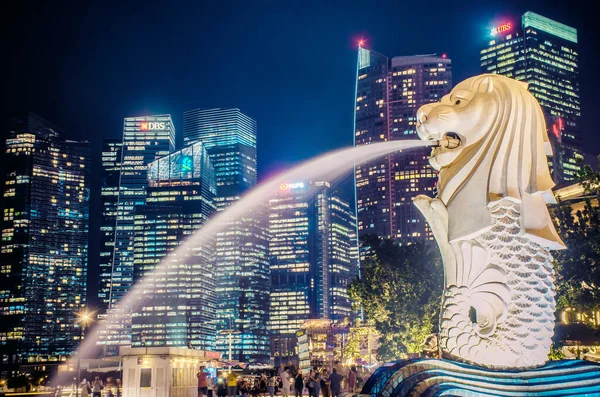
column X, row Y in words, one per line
column 242, row 266
column 111, row 172
column 44, row 248
column 388, row 94
column 312, row 239
column 145, row 139
column 543, row 53
column 178, row 308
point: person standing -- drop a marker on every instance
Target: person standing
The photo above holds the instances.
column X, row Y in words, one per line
column 273, row 382
column 298, row 384
column 97, row 387
column 86, row 389
column 211, row 385
column 231, row 384
column 352, row 379
column 310, row 383
column 325, row 383
column 221, row 386
column 317, row 384
column 202, row 382
column 285, row 384
column 262, row 384
column 336, row 382
column 119, row 387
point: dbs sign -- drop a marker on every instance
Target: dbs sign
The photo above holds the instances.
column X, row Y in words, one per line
column 151, row 126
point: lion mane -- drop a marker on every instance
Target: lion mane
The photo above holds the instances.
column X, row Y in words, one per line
column 509, row 162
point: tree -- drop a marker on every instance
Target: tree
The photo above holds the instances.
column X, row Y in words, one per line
column 578, row 267
column 400, row 294
column 357, row 335
column 17, row 382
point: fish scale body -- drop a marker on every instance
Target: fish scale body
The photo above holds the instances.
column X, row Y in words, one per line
column 524, row 325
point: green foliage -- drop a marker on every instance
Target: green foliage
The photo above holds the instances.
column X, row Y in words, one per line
column 556, row 352
column 578, row 267
column 17, row 382
column 400, row 294
column 351, row 347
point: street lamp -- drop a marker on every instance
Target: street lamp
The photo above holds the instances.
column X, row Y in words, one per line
column 84, row 318
column 229, row 332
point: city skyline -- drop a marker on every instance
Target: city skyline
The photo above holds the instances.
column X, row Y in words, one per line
column 296, row 128
column 87, row 91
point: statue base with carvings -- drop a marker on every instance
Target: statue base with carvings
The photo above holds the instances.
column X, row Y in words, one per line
column 424, row 377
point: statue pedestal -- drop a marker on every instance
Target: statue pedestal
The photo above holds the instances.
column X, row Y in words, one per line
column 425, row 377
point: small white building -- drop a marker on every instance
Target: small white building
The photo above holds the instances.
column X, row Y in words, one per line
column 163, row 371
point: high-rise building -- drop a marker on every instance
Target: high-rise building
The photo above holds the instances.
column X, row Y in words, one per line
column 242, row 266
column 44, row 248
column 312, row 235
column 179, row 287
column 543, row 53
column 388, row 94
column 145, row 139
column 111, row 172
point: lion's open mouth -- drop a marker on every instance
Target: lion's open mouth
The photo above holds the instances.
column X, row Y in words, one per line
column 450, row 140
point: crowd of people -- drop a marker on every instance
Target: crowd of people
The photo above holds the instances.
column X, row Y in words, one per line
column 287, row 381
column 98, row 388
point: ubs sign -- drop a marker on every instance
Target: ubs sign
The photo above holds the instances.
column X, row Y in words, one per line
column 504, row 28
column 152, row 126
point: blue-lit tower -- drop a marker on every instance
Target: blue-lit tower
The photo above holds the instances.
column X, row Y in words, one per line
column 178, row 309
column 242, row 267
column 145, row 139
column 44, row 247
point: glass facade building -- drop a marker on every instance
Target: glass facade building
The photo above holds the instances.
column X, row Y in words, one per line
column 312, row 235
column 178, row 309
column 111, row 172
column 242, row 267
column 543, row 53
column 145, row 139
column 44, row 249
column 388, row 94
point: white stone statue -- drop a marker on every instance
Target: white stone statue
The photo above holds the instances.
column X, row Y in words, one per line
column 491, row 222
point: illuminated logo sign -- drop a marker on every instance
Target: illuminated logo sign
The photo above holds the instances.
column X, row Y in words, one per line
column 506, row 27
column 557, row 128
column 151, row 126
column 284, row 187
column 186, row 163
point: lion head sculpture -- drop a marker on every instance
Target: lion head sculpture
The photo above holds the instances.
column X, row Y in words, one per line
column 502, row 154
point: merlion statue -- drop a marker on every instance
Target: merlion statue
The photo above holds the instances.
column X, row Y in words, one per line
column 491, row 222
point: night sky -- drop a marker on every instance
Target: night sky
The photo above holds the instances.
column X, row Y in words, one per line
column 290, row 65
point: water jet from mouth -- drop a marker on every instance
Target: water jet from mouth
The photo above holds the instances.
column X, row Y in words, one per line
column 330, row 166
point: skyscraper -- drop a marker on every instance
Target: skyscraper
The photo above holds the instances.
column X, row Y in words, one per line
column 388, row 94
column 111, row 172
column 179, row 287
column 543, row 53
column 44, row 249
column 145, row 139
column 242, row 267
column 311, row 248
